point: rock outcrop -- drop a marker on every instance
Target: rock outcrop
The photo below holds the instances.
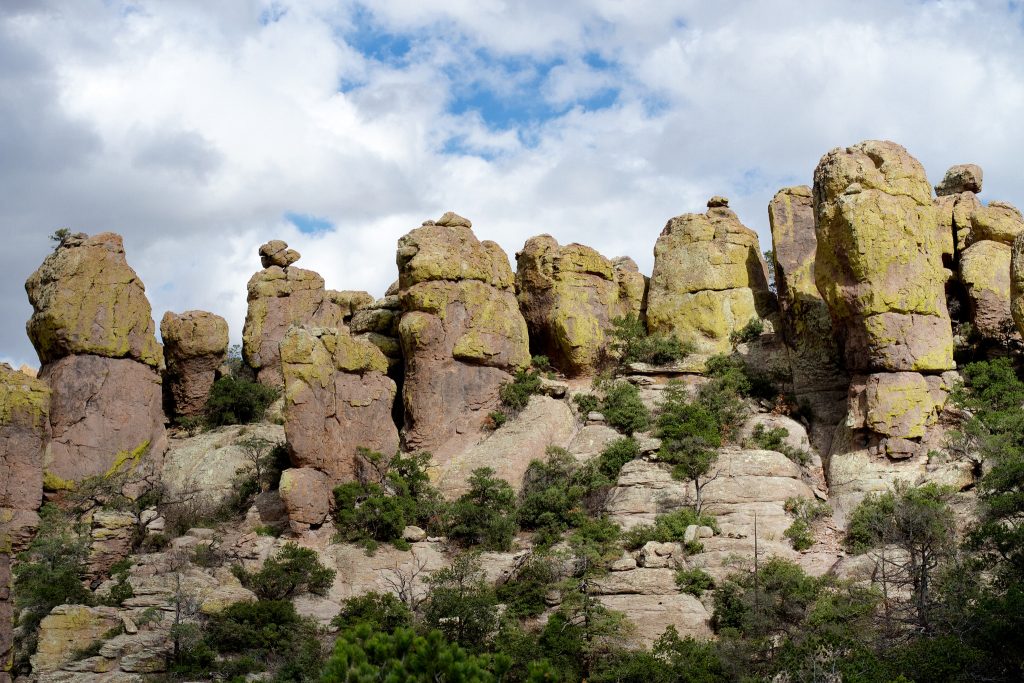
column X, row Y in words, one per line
column 195, row 345
column 24, row 428
column 569, row 296
column 281, row 296
column 338, row 399
column 815, row 356
column 879, row 259
column 461, row 332
column 960, row 178
column 1017, row 283
column 92, row 329
column 86, row 299
column 985, row 274
column 709, row 279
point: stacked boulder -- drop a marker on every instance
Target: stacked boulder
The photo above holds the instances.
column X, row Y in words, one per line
column 815, row 356
column 879, row 266
column 569, row 296
column 195, row 345
column 378, row 324
column 280, row 296
column 709, row 279
column 24, row 428
column 93, row 330
column 983, row 236
column 461, row 332
column 338, row 400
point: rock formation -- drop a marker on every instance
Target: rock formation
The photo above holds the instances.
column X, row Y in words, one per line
column 461, row 332
column 195, row 345
column 709, row 279
column 93, row 331
column 280, row 296
column 24, row 427
column 1017, row 283
column 338, row 399
column 569, row 295
column 815, row 356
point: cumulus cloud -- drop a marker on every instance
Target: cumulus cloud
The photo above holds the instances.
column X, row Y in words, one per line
column 199, row 130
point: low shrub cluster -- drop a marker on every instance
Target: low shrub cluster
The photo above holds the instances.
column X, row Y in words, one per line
column 775, row 440
column 667, row 528
column 630, row 343
column 236, row 400
column 806, row 513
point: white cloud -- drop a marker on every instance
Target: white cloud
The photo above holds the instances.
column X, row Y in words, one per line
column 193, row 127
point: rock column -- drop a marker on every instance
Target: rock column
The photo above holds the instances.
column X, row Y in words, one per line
column 195, row 345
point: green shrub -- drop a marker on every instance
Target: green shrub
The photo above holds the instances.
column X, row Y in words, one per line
column 631, row 343
column 291, row 572
column 694, row 581
column 623, row 409
column 381, row 611
column 540, row 363
column 461, row 603
column 807, row 512
column 486, row 514
column 524, row 593
column 122, row 589
column 586, row 403
column 748, row 333
column 515, row 395
column 190, row 424
column 615, row 455
column 667, row 528
column 774, row 440
column 234, row 400
column 496, row 419
column 549, row 498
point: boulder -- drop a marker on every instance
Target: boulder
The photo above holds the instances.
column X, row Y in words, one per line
column 195, row 345
column 111, row 535
column 461, row 332
column 709, row 279
column 1017, row 283
column 277, row 253
column 68, row 629
column 960, row 178
column 306, row 494
column 652, row 614
column 999, row 222
column 896, row 404
column 86, row 299
column 509, row 450
column 569, row 296
column 879, row 259
column 282, row 296
column 985, row 275
column 105, row 415
column 815, row 356
column 337, row 400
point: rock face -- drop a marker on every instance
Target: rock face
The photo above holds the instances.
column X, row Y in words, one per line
column 337, row 399
column 67, row 629
column 92, row 328
column 281, row 296
column 709, row 279
column 24, row 427
column 86, row 299
column 1017, row 283
column 878, row 263
column 195, row 345
column 985, row 274
column 101, row 409
column 569, row 295
column 461, row 333
column 814, row 354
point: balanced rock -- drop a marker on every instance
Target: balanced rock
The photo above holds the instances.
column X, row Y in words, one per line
column 999, row 222
column 87, row 299
column 277, row 253
column 960, row 178
column 92, row 329
column 306, row 495
column 709, row 279
column 879, row 263
column 338, row 399
column 195, row 345
column 280, row 297
column 894, row 404
column 569, row 295
column 814, row 354
column 461, row 332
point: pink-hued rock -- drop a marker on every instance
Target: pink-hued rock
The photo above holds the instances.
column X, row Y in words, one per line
column 306, row 495
column 195, row 345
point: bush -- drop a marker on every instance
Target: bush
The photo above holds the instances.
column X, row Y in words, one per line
column 381, row 611
column 694, row 581
column 291, row 572
column 623, row 409
column 806, row 512
column 515, row 395
column 234, row 400
column 496, row 419
column 524, row 593
column 631, row 343
column 615, row 455
column 586, row 403
column 461, row 603
column 748, row 333
column 549, row 499
column 800, row 535
column 774, row 440
column 486, row 514
column 667, row 528
column 540, row 363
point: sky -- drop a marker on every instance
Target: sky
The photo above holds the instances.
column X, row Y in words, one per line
column 199, row 130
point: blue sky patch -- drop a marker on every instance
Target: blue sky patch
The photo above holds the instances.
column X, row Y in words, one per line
column 371, row 40
column 308, row 224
